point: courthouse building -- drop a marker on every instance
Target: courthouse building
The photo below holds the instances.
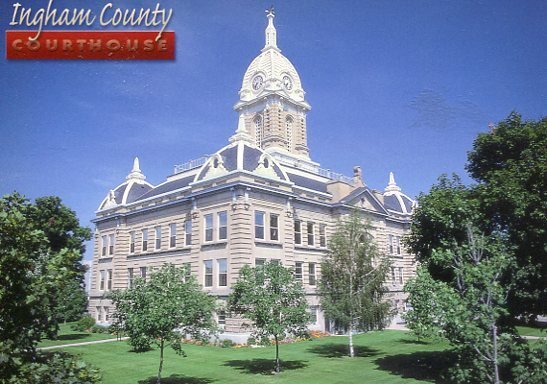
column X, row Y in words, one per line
column 259, row 198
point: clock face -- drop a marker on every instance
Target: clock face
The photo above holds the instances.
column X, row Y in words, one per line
column 257, row 82
column 287, row 82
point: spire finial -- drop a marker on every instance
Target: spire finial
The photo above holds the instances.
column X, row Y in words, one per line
column 241, row 133
column 392, row 185
column 271, row 34
column 136, row 172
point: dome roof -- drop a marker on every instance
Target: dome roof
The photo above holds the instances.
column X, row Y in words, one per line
column 395, row 200
column 129, row 191
column 271, row 72
column 241, row 156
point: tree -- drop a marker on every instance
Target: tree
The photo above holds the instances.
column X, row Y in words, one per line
column 273, row 300
column 509, row 163
column 162, row 310
column 468, row 310
column 352, row 280
column 72, row 301
column 32, row 273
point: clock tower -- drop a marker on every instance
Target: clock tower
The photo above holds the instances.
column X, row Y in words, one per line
column 272, row 109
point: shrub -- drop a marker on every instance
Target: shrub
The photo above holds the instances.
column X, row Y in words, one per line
column 226, row 343
column 57, row 367
column 84, row 324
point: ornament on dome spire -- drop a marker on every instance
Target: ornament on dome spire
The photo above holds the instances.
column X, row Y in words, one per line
column 392, row 186
column 136, row 173
column 271, row 33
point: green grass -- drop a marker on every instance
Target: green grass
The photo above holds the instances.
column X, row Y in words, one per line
column 531, row 331
column 388, row 357
column 68, row 336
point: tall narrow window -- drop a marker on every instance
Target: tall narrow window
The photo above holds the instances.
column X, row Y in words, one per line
column 188, row 232
column 208, row 270
column 222, row 225
column 322, row 235
column 187, row 270
column 298, row 270
column 313, row 315
column 102, row 280
column 209, row 227
column 390, row 244
column 393, row 275
column 288, row 129
column 158, row 237
column 144, row 240
column 311, row 235
column 400, row 275
column 129, row 277
column 172, row 235
column 259, row 225
column 99, row 314
column 109, row 281
column 222, row 319
column 398, row 244
column 311, row 274
column 132, row 242
column 103, row 245
column 258, row 131
column 274, row 227
column 106, row 314
column 111, row 241
column 142, row 271
column 297, row 232
column 222, row 272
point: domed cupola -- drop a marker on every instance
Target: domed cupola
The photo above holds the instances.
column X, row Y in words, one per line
column 395, row 200
column 127, row 192
column 272, row 101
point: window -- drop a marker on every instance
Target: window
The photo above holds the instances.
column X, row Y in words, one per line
column 297, row 232
column 142, row 271
column 311, row 274
column 393, row 275
column 106, row 313
column 259, row 262
column 274, row 227
column 400, row 275
column 222, row 225
column 144, row 240
column 109, row 281
column 398, row 243
column 390, row 244
column 311, row 236
column 187, row 270
column 99, row 314
column 209, row 227
column 208, row 266
column 288, row 128
column 103, row 245
column 172, row 235
column 322, row 235
column 132, row 242
column 111, row 241
column 313, row 315
column 222, row 318
column 188, row 232
column 102, row 279
column 129, row 277
column 259, row 225
column 158, row 237
column 258, row 131
column 222, row 272
column 298, row 270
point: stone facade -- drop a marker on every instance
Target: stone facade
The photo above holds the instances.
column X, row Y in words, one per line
column 259, row 198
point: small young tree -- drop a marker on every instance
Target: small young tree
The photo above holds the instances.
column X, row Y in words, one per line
column 352, row 280
column 162, row 310
column 273, row 300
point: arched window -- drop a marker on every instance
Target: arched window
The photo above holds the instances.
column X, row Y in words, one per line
column 258, row 131
column 288, row 128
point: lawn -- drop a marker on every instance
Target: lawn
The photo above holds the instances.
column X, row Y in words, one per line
column 531, row 331
column 387, row 357
column 68, row 336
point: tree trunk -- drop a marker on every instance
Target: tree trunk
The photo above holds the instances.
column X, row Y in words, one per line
column 277, row 364
column 495, row 354
column 351, row 351
column 161, row 362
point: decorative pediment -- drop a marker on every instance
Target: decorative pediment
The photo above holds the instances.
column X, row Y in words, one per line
column 364, row 198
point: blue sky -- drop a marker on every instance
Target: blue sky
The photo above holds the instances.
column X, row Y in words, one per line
column 402, row 86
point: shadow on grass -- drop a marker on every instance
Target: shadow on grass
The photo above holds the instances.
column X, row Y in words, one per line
column 264, row 366
column 73, row 336
column 414, row 341
column 427, row 366
column 341, row 350
column 177, row 379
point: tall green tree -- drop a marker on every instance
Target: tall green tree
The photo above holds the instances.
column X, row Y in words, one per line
column 163, row 310
column 32, row 274
column 509, row 163
column 273, row 300
column 352, row 279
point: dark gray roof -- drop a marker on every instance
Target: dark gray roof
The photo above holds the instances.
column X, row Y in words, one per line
column 308, row 183
column 118, row 193
column 353, row 194
column 167, row 187
column 136, row 191
column 391, row 202
column 229, row 158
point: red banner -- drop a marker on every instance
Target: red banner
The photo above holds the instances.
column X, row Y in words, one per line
column 90, row 45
